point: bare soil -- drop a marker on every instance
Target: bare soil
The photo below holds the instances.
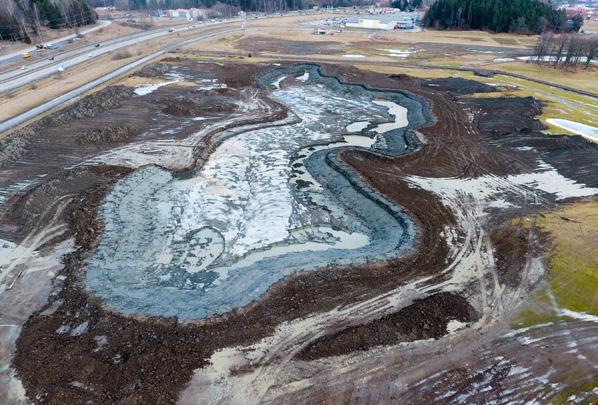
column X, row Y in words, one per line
column 151, row 360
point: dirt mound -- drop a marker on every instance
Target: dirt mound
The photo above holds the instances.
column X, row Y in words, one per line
column 13, row 146
column 106, row 135
column 189, row 107
column 424, row 319
column 508, row 115
column 154, row 70
column 510, row 243
column 458, row 85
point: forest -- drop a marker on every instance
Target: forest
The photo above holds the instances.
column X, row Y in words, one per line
column 518, row 16
column 247, row 5
column 22, row 20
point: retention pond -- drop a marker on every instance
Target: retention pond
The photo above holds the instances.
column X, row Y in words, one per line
column 268, row 202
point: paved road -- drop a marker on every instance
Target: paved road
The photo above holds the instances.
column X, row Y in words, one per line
column 16, row 78
column 74, row 94
column 11, row 57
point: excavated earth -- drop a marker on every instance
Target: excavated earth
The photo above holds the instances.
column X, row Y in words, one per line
column 108, row 357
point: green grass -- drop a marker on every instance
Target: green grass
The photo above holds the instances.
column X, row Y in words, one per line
column 573, row 259
column 537, row 310
column 586, row 387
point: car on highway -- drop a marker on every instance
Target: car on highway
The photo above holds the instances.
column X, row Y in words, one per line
column 26, row 55
column 171, row 30
column 53, row 46
column 51, row 58
column 97, row 45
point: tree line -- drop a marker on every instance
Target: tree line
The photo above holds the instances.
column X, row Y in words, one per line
column 566, row 51
column 520, row 16
column 22, row 20
column 247, row 5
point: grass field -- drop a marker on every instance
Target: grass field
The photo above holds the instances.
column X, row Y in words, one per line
column 572, row 265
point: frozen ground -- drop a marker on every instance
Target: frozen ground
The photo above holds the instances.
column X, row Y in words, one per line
column 218, row 237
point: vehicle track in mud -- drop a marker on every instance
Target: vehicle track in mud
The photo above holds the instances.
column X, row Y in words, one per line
column 149, row 360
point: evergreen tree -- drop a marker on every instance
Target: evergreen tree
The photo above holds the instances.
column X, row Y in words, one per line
column 522, row 16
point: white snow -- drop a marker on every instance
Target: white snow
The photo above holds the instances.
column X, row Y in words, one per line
column 454, row 325
column 587, row 131
column 399, row 53
column 504, row 59
column 303, row 78
column 353, row 56
column 488, row 189
column 399, row 112
column 583, row 59
column 145, row 89
column 277, row 82
column 357, row 126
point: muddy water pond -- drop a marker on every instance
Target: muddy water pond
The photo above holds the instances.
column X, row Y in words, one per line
column 268, row 202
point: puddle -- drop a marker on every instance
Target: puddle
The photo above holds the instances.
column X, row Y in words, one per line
column 357, row 126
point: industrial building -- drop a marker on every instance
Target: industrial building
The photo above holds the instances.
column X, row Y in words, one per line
column 403, row 21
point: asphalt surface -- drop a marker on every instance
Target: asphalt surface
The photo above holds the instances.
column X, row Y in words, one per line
column 73, row 95
column 62, row 62
column 17, row 55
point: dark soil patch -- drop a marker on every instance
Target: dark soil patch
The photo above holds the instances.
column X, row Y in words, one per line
column 458, row 85
column 507, row 115
column 196, row 106
column 511, row 246
column 106, row 135
column 424, row 319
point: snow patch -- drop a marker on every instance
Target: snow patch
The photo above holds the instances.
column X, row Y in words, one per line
column 587, row 131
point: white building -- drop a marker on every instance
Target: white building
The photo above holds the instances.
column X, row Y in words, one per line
column 395, row 21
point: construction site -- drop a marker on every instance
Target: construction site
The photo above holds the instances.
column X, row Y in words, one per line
column 265, row 215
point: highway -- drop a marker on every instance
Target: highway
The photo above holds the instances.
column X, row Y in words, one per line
column 13, row 56
column 73, row 95
column 43, row 68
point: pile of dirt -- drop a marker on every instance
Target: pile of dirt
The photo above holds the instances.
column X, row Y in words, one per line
column 96, row 103
column 14, row 146
column 426, row 318
column 511, row 244
column 105, row 135
column 458, row 85
column 510, row 122
column 154, row 70
column 193, row 106
column 498, row 117
column 30, row 210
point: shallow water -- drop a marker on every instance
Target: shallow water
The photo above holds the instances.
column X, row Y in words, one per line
column 218, row 237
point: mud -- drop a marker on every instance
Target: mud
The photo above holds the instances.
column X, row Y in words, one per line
column 426, row 318
column 107, row 135
column 458, row 85
column 511, row 244
column 76, row 350
column 14, row 147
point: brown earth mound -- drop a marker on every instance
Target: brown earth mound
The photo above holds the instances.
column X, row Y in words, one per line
column 424, row 319
column 106, row 135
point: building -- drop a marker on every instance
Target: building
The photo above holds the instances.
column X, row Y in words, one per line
column 403, row 21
